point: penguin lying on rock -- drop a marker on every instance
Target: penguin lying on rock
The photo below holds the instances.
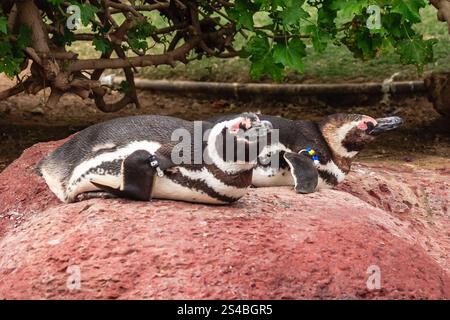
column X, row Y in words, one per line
column 328, row 145
column 138, row 158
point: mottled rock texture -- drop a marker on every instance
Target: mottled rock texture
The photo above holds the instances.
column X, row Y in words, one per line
column 272, row 244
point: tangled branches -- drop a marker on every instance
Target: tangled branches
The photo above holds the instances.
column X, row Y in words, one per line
column 121, row 31
column 128, row 34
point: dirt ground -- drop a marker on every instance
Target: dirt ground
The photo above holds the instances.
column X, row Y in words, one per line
column 424, row 140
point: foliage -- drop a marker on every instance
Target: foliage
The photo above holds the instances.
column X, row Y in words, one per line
column 223, row 29
column 343, row 22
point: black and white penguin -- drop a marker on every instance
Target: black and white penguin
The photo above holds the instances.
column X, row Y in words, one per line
column 312, row 154
column 134, row 157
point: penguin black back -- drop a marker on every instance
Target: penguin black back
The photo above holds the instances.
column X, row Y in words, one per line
column 112, row 135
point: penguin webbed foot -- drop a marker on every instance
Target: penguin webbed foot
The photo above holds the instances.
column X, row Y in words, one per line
column 131, row 192
column 94, row 195
column 304, row 171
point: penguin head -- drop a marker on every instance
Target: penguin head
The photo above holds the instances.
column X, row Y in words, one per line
column 234, row 142
column 247, row 126
column 347, row 134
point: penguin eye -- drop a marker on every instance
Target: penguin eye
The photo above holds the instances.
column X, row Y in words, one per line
column 370, row 126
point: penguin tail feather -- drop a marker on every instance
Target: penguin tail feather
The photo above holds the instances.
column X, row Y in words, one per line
column 38, row 168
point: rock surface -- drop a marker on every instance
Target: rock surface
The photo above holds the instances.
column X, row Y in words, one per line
column 272, row 244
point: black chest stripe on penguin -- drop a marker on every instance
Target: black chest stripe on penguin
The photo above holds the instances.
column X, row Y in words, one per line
column 138, row 173
column 140, row 170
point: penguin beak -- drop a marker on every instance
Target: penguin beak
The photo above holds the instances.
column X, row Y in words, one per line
column 386, row 124
column 261, row 128
column 267, row 125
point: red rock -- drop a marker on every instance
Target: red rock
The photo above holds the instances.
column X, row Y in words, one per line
column 272, row 244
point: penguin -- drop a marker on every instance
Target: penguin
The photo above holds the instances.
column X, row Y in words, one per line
column 151, row 156
column 314, row 154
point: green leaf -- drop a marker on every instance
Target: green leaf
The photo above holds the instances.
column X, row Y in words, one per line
column 10, row 65
column 137, row 36
column 294, row 12
column 349, row 8
column 342, row 21
column 5, row 49
column 267, row 66
column 242, row 13
column 259, row 52
column 264, row 4
column 257, row 48
column 55, row 2
column 101, row 45
column 326, row 16
column 243, row 19
column 141, row 30
column 124, row 87
column 64, row 39
column 364, row 44
column 392, row 22
column 319, row 37
column 409, row 9
column 3, row 25
column 416, row 51
column 24, row 37
column 137, row 44
column 291, row 55
column 87, row 13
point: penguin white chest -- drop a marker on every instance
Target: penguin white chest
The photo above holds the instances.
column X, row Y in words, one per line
column 199, row 186
column 165, row 188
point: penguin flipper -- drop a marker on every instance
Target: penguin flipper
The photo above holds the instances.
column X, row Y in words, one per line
column 304, row 172
column 139, row 170
column 164, row 156
column 138, row 173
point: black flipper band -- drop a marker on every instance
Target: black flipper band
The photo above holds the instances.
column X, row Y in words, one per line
column 306, row 176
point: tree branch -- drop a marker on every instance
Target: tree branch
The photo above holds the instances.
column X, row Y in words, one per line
column 443, row 7
column 169, row 58
column 150, row 7
column 18, row 88
column 29, row 15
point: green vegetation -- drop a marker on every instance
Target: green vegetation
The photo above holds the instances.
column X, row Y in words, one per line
column 227, row 40
column 336, row 63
